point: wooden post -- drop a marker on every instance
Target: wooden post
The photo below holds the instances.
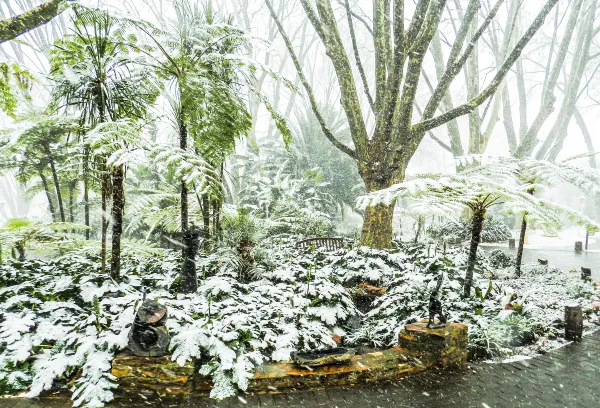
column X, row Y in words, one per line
column 578, row 247
column 587, row 235
column 511, row 243
column 586, row 274
column 573, row 322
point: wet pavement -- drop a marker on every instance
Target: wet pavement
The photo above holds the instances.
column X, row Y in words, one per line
column 567, row 377
column 560, row 258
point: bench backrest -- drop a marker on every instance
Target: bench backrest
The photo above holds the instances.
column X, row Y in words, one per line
column 329, row 243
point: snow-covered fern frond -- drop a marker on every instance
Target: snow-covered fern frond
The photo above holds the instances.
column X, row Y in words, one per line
column 122, row 141
column 195, row 172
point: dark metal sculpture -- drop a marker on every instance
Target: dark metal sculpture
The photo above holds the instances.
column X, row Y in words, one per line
column 435, row 306
column 149, row 336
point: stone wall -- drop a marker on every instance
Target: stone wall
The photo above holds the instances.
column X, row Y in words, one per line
column 418, row 349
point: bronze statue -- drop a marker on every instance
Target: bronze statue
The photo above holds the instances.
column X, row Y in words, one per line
column 435, row 306
column 149, row 336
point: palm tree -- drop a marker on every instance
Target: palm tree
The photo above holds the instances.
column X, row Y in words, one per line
column 95, row 75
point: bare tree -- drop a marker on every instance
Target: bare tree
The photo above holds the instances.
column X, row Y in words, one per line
column 383, row 154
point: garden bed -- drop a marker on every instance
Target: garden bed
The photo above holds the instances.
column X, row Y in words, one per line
column 63, row 321
column 421, row 348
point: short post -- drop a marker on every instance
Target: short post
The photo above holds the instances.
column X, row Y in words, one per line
column 586, row 274
column 573, row 322
column 511, row 243
column 578, row 247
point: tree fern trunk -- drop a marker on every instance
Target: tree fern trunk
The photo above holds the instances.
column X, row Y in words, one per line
column 105, row 187
column 520, row 250
column 48, row 195
column 187, row 278
column 86, row 190
column 477, row 227
column 20, row 246
column 420, row 221
column 61, row 207
column 216, row 213
column 72, row 186
column 206, row 219
column 118, row 208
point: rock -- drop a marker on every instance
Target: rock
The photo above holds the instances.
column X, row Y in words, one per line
column 318, row 358
column 151, row 375
column 446, row 345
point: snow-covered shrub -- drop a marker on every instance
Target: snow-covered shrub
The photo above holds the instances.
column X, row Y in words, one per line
column 292, row 220
column 494, row 230
column 63, row 316
column 535, row 268
column 240, row 228
column 500, row 259
column 407, row 295
column 495, row 337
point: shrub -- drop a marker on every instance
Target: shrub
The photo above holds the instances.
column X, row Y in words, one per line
column 500, row 259
column 494, row 230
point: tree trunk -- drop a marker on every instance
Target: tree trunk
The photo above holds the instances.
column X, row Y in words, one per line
column 520, row 250
column 105, row 187
column 61, row 207
column 477, row 227
column 216, row 213
column 206, row 219
column 118, row 208
column 15, row 26
column 48, row 195
column 187, row 278
column 86, row 191
column 20, row 246
column 420, row 222
column 72, row 186
column 377, row 226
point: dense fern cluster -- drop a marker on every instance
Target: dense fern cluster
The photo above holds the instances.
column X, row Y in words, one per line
column 63, row 315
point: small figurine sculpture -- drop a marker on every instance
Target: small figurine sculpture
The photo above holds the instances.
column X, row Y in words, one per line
column 149, row 336
column 435, row 306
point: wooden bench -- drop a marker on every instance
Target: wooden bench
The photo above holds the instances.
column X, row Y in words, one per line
column 329, row 243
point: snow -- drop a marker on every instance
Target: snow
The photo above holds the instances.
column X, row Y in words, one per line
column 295, row 300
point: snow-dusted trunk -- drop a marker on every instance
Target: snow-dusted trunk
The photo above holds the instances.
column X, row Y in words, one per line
column 61, row 207
column 118, row 208
column 20, row 246
column 206, row 219
column 86, row 191
column 187, row 278
column 105, row 190
column 377, row 226
column 48, row 195
column 420, row 222
column 72, row 187
column 476, row 228
column 521, row 244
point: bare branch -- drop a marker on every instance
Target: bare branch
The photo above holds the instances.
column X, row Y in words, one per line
column 328, row 134
column 359, row 64
column 420, row 128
